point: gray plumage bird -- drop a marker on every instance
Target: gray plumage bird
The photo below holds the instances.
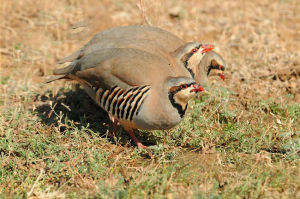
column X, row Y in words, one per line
column 150, row 97
column 185, row 58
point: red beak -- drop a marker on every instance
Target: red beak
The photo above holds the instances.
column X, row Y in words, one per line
column 197, row 88
column 206, row 48
column 222, row 75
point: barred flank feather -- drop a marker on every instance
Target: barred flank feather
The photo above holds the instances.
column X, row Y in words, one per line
column 121, row 103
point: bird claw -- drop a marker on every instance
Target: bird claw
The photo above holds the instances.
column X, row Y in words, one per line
column 141, row 146
column 137, row 142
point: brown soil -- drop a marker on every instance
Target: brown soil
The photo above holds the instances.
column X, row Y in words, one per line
column 260, row 40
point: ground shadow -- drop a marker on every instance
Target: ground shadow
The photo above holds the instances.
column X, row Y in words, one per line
column 78, row 107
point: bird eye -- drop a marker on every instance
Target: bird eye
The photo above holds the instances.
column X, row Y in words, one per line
column 183, row 86
column 195, row 50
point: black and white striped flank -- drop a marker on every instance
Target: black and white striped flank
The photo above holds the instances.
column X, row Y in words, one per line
column 121, row 103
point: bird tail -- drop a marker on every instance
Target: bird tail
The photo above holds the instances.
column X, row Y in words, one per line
column 63, row 73
column 87, row 87
column 70, row 58
column 65, row 70
column 55, row 77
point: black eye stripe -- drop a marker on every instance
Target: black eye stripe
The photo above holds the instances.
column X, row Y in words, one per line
column 197, row 47
column 181, row 87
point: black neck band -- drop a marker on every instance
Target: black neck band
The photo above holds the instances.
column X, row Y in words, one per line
column 186, row 61
column 179, row 108
column 186, row 64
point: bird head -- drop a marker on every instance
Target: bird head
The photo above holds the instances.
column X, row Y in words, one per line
column 181, row 90
column 215, row 61
column 191, row 54
column 210, row 61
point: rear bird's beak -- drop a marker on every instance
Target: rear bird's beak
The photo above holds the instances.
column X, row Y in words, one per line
column 217, row 67
column 197, row 88
column 222, row 75
column 206, row 48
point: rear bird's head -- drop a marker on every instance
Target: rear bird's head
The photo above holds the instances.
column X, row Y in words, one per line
column 210, row 61
column 181, row 90
column 215, row 61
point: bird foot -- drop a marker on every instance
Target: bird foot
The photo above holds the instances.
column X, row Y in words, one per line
column 137, row 142
column 141, row 146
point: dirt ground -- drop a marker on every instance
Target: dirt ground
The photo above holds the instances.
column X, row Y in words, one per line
column 259, row 40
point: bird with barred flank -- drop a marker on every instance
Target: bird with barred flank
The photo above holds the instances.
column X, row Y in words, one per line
column 136, row 88
column 185, row 58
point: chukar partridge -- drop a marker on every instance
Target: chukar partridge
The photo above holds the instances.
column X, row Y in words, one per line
column 184, row 57
column 149, row 97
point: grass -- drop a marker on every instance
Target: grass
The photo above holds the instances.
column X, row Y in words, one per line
column 240, row 141
column 211, row 154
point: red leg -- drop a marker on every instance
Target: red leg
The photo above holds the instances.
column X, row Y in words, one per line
column 130, row 131
column 137, row 142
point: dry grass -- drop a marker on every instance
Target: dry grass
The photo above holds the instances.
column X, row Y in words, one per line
column 243, row 141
